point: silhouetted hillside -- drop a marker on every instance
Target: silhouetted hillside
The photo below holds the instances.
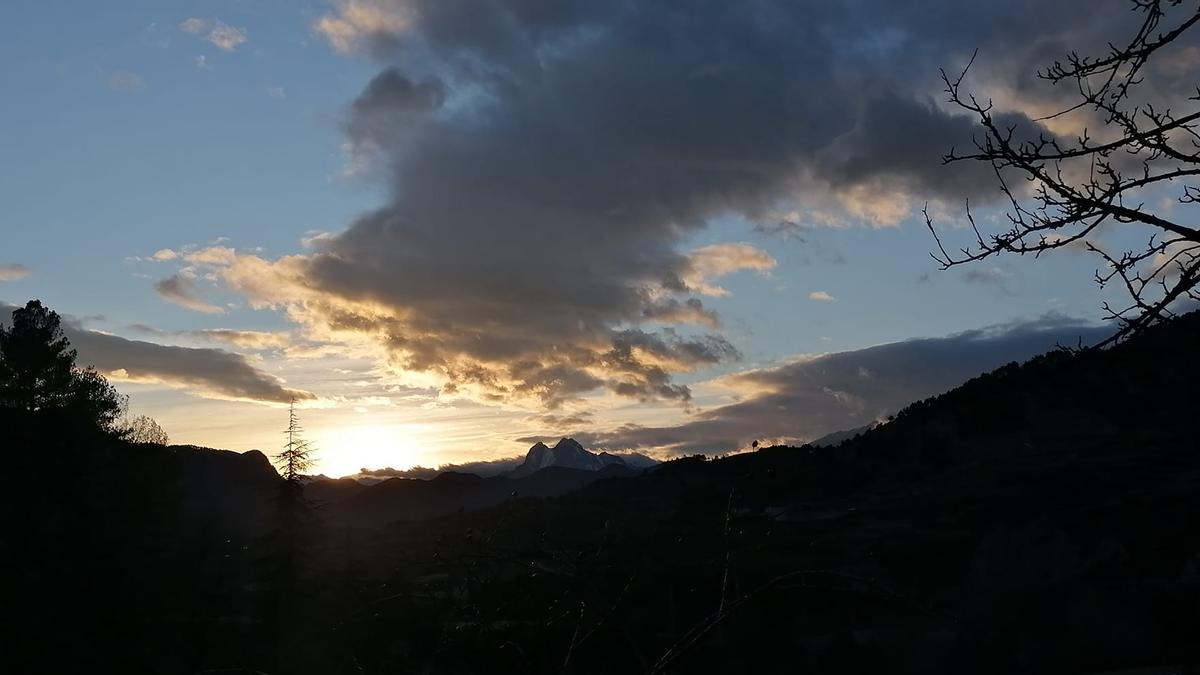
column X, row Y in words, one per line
column 413, row 499
column 111, row 544
column 1041, row 518
column 231, row 488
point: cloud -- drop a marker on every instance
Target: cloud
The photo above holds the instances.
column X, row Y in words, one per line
column 220, row 34
column 563, row 422
column 210, row 373
column 814, row 396
column 164, row 254
column 1171, row 261
column 549, row 164
column 484, row 468
column 248, row 339
column 718, row 260
column 194, row 25
column 13, row 272
column 821, row 296
column 181, row 291
column 1075, row 245
column 390, row 100
column 276, row 92
column 226, row 37
column 123, row 80
column 153, row 37
column 993, row 276
column 211, row 255
column 987, row 275
column 357, row 21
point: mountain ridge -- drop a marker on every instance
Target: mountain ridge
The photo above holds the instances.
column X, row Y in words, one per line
column 568, row 453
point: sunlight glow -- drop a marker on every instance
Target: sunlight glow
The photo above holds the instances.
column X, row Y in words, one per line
column 342, row 451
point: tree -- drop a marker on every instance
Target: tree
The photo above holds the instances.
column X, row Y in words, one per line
column 296, row 457
column 38, row 371
column 144, row 429
column 1099, row 180
column 286, row 548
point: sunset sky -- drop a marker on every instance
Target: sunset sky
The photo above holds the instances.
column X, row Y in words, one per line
column 448, row 228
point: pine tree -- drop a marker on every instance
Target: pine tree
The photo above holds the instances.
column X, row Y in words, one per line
column 296, row 457
column 288, row 546
column 292, row 509
column 38, row 371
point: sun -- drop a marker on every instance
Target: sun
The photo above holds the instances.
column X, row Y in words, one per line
column 343, row 450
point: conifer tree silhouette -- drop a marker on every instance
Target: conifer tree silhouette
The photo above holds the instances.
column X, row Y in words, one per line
column 296, row 457
column 286, row 549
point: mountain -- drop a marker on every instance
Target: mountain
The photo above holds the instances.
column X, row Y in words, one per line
column 321, row 490
column 539, row 456
column 231, row 491
column 567, row 453
column 544, row 472
column 837, row 437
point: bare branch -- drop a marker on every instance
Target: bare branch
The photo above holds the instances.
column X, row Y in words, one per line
column 1075, row 186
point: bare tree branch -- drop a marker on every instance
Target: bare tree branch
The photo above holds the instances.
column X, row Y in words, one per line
column 1075, row 186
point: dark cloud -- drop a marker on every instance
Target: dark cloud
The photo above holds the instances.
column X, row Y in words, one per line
column 206, row 372
column 987, row 276
column 181, row 291
column 485, row 468
column 548, row 160
column 390, row 104
column 811, row 398
column 391, row 92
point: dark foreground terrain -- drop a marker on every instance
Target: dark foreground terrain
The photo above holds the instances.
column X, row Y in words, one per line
column 1042, row 518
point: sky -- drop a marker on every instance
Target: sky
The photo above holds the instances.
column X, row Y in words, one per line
column 448, row 228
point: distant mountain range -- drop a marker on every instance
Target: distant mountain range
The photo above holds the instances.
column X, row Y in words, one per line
column 569, row 454
column 235, row 491
column 545, row 472
column 836, row 437
column 566, row 453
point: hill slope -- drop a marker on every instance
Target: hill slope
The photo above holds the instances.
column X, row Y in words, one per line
column 415, row 499
column 1042, row 518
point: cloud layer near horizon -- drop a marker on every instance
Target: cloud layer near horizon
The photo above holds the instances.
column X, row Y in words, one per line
column 211, row 373
column 807, row 399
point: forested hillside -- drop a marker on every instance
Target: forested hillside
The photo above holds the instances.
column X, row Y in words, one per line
column 1053, row 498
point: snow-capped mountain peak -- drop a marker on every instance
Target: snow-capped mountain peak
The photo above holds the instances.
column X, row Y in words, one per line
column 568, row 453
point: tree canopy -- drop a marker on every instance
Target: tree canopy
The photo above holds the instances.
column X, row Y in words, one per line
column 144, row 429
column 38, row 370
